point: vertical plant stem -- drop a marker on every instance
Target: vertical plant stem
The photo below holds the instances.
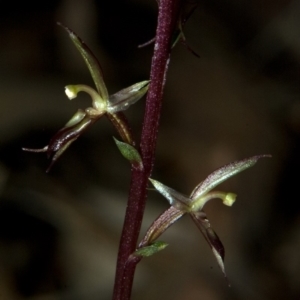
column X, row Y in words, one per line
column 167, row 18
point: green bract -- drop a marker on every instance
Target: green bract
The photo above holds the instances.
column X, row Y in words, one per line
column 130, row 153
column 151, row 249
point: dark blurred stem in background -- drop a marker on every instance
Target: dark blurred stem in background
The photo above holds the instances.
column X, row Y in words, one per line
column 167, row 20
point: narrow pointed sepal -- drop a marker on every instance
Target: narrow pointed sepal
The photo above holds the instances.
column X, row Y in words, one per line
column 121, row 124
column 223, row 174
column 151, row 249
column 45, row 149
column 90, row 60
column 175, row 198
column 59, row 152
column 76, row 119
column 160, row 225
column 211, row 237
column 126, row 97
column 66, row 136
column 130, row 153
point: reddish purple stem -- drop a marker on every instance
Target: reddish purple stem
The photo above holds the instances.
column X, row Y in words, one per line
column 167, row 18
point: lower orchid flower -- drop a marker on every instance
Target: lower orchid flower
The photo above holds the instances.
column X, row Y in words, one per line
column 193, row 206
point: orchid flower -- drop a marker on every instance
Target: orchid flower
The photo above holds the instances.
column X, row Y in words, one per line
column 193, row 205
column 102, row 104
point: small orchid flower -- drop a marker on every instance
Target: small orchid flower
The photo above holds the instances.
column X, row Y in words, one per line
column 102, row 104
column 193, row 205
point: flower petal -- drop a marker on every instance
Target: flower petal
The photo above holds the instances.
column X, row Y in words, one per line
column 121, row 124
column 175, row 198
column 65, row 137
column 211, row 237
column 126, row 97
column 78, row 117
column 91, row 62
column 223, row 174
column 59, row 152
column 45, row 149
column 160, row 225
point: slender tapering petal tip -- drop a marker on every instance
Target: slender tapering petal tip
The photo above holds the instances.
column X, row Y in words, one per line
column 145, row 82
column 152, row 181
column 49, row 168
column 45, row 149
column 66, row 28
column 175, row 198
column 63, row 26
column 263, row 156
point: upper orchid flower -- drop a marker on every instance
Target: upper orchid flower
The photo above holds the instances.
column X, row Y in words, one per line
column 193, row 205
column 102, row 104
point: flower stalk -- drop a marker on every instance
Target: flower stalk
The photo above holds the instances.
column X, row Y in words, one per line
column 167, row 18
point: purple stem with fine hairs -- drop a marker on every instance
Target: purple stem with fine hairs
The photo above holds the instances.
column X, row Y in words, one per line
column 167, row 18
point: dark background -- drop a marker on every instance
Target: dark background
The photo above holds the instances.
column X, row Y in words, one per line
column 59, row 232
